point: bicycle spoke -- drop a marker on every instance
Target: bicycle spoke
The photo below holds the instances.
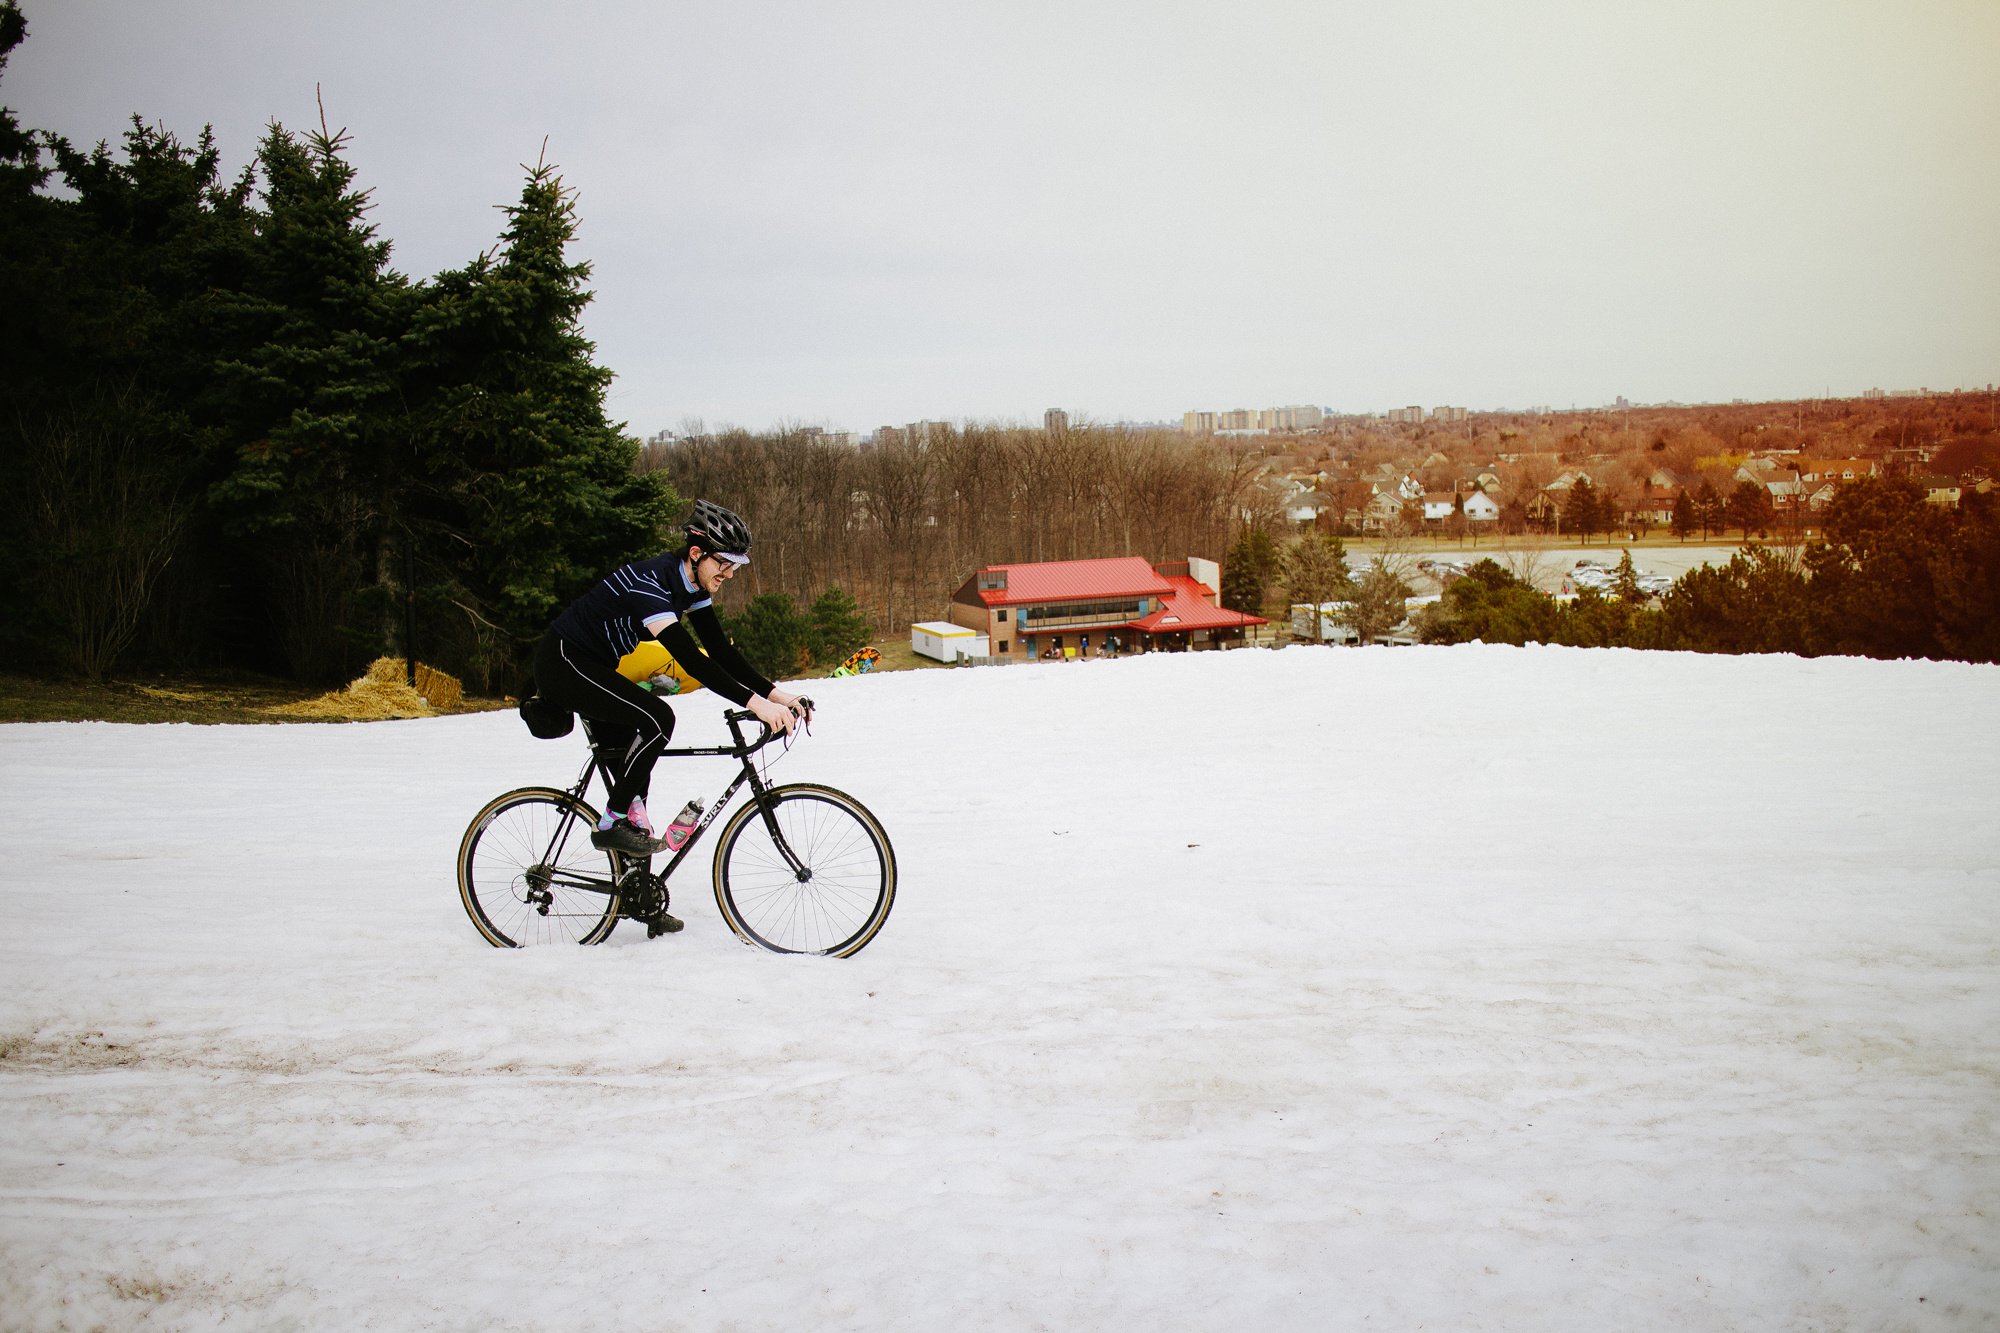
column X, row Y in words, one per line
column 526, row 877
column 848, row 889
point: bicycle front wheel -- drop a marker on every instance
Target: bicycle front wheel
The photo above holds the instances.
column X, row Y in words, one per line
column 805, row 869
column 527, row 873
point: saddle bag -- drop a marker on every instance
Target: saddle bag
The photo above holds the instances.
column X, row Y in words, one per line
column 547, row 720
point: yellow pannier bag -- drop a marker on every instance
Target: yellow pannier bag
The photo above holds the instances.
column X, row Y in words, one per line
column 651, row 663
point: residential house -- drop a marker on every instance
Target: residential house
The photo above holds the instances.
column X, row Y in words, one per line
column 1544, row 507
column 1384, row 511
column 1654, row 504
column 1835, row 469
column 1302, row 503
column 1943, row 491
column 1481, row 508
column 1785, row 492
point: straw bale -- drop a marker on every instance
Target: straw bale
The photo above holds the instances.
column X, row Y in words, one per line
column 441, row 690
column 378, row 695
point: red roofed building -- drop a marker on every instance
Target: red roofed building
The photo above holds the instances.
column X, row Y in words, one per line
column 1084, row 608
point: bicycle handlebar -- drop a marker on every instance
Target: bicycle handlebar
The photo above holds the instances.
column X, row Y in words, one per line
column 733, row 716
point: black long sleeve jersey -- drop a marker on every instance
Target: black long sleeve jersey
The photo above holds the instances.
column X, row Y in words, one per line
column 652, row 598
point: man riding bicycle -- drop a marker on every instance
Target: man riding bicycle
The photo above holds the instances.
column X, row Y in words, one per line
column 670, row 598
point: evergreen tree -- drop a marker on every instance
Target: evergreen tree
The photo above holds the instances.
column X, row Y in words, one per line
column 1582, row 513
column 1968, row 596
column 838, row 628
column 1749, row 508
column 1878, row 577
column 1684, row 522
column 1248, row 570
column 107, row 353
column 24, row 215
column 1708, row 509
column 311, row 484
column 1757, row 603
column 1491, row 605
column 535, row 492
column 1625, row 582
column 1592, row 620
column 773, row 635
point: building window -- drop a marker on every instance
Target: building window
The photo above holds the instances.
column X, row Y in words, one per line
column 1001, row 615
column 1004, row 645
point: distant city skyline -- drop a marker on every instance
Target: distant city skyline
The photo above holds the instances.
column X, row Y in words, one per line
column 887, row 212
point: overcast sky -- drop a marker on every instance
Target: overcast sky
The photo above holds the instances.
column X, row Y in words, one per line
column 867, row 213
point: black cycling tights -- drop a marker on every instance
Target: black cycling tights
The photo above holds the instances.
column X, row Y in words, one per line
column 632, row 725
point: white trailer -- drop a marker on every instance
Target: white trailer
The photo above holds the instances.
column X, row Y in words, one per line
column 942, row 641
column 1325, row 622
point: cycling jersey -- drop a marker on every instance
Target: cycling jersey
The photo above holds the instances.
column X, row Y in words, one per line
column 652, row 598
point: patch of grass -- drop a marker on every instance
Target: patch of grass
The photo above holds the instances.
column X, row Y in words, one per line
column 231, row 697
column 213, row 697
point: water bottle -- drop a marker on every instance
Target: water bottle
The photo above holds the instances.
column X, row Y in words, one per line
column 679, row 831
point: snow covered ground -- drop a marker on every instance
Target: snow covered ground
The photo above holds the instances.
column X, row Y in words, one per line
column 1457, row 988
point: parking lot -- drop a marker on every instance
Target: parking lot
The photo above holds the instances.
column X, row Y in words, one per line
column 1556, row 570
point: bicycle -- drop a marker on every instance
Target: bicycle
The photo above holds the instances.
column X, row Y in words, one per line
column 801, row 868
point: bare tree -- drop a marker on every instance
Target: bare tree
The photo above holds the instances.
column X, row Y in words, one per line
column 1380, row 602
column 107, row 518
column 896, row 484
column 1527, row 562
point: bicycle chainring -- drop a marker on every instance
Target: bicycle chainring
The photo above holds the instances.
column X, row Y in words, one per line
column 642, row 895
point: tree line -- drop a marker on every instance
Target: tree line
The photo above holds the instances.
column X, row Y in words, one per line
column 1891, row 576
column 902, row 522
column 246, row 440
column 239, row 437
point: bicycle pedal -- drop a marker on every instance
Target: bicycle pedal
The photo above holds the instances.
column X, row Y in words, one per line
column 663, row 924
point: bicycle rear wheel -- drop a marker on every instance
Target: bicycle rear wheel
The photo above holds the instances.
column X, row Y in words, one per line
column 527, row 873
column 836, row 897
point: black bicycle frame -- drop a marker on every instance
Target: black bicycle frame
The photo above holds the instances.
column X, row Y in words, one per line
column 741, row 750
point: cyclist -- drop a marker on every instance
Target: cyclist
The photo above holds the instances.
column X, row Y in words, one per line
column 669, row 597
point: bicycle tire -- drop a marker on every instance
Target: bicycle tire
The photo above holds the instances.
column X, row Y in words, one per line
column 853, row 873
column 514, row 897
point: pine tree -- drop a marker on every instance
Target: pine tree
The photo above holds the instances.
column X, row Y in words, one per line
column 1708, row 509
column 1626, row 581
column 537, row 491
column 23, row 217
column 773, row 635
column 838, row 628
column 1749, row 508
column 1582, row 513
column 313, row 480
column 106, row 354
column 1247, row 571
column 1684, row 515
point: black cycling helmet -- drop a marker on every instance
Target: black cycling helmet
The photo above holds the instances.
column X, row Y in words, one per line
column 719, row 531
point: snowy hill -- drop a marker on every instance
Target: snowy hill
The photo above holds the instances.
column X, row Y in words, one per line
column 1474, row 988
